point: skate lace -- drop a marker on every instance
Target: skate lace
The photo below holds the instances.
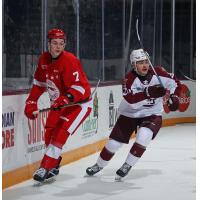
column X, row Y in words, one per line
column 41, row 172
column 96, row 167
column 53, row 171
column 125, row 167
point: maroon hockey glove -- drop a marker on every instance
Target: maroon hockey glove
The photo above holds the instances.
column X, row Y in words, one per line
column 173, row 102
column 61, row 101
column 30, row 107
column 155, row 91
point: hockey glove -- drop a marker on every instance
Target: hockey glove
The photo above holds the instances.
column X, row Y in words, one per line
column 60, row 101
column 155, row 91
column 173, row 102
column 30, row 107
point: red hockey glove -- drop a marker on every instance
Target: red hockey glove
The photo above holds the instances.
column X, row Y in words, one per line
column 30, row 107
column 60, row 101
column 155, row 91
column 173, row 102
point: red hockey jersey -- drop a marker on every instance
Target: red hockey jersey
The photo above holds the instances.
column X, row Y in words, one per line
column 64, row 75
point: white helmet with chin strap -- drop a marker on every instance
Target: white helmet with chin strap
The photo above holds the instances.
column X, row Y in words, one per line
column 137, row 55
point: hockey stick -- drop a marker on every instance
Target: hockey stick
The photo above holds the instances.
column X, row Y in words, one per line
column 70, row 104
column 141, row 44
column 186, row 77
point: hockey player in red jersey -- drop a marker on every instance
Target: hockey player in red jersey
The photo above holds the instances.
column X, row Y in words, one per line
column 61, row 74
column 141, row 108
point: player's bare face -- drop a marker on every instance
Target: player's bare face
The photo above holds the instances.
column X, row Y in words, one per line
column 142, row 67
column 56, row 47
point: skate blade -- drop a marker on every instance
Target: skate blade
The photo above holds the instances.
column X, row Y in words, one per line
column 46, row 181
column 87, row 175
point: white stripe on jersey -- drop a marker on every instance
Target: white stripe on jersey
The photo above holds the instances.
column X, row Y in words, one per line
column 39, row 83
column 78, row 88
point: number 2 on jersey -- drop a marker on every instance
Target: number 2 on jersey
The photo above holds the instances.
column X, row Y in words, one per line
column 76, row 74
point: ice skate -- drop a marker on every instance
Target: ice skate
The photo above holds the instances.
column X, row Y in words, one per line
column 40, row 175
column 93, row 169
column 54, row 171
column 122, row 172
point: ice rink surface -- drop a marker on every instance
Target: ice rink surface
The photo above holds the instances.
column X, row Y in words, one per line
column 165, row 172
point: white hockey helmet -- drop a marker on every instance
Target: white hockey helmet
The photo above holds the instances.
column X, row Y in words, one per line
column 137, row 55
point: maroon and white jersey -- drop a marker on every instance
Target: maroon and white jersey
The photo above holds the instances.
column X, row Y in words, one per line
column 64, row 75
column 135, row 104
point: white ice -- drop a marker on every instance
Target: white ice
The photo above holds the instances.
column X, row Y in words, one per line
column 165, row 172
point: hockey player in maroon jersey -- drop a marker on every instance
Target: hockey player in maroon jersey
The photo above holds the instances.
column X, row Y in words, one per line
column 61, row 74
column 141, row 108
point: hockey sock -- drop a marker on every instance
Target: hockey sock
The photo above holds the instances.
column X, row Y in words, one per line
column 108, row 152
column 104, row 157
column 135, row 154
column 52, row 157
column 48, row 162
column 48, row 135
